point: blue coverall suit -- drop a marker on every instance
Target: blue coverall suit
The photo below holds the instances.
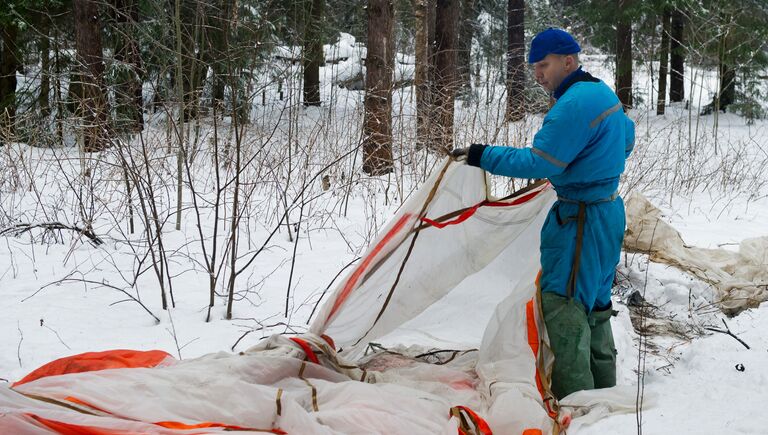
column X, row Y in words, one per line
column 581, row 148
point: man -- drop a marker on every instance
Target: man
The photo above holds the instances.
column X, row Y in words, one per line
column 581, row 148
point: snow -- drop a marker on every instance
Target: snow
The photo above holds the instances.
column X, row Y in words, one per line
column 695, row 382
column 63, row 296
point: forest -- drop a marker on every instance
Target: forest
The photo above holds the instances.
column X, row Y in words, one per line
column 204, row 177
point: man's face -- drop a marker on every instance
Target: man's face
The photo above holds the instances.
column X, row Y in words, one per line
column 551, row 70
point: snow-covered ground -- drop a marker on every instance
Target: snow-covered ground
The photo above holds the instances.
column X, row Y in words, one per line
column 63, row 295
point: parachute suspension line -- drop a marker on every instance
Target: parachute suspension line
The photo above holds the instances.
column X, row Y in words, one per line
column 416, row 231
column 519, row 196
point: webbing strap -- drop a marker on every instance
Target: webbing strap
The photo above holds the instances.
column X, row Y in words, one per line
column 309, row 384
column 279, row 401
column 307, row 349
column 518, row 197
column 466, row 416
column 64, row 427
column 581, row 217
column 610, row 198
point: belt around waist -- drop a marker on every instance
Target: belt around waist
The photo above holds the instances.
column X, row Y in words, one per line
column 610, row 198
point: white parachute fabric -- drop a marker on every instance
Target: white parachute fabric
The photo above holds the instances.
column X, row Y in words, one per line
column 406, row 271
column 741, row 278
column 269, row 388
column 480, row 271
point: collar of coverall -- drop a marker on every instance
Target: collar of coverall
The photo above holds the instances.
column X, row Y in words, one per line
column 577, row 76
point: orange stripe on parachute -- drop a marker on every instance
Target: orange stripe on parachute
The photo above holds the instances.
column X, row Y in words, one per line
column 358, row 273
column 466, row 214
column 480, row 424
column 184, row 426
column 534, row 342
column 64, row 428
column 176, row 424
column 94, row 361
column 307, row 349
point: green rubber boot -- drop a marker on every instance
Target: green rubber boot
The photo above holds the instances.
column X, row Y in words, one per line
column 569, row 338
column 603, row 349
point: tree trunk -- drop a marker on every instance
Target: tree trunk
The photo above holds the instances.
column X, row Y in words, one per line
column 128, row 93
column 421, row 73
column 9, row 64
column 92, row 103
column 44, row 96
column 424, row 12
column 727, row 86
column 313, row 53
column 661, row 100
column 515, row 60
column 624, row 55
column 379, row 63
column 191, row 66
column 466, row 33
column 434, row 118
column 677, row 52
column 216, row 43
column 446, row 23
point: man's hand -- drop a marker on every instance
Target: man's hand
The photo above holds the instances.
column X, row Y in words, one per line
column 459, row 154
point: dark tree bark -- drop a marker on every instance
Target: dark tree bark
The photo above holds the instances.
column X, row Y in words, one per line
column 128, row 94
column 515, row 60
column 624, row 55
column 424, row 13
column 466, row 33
column 677, row 53
column 661, row 100
column 446, row 24
column 726, row 94
column 9, row 64
column 379, row 63
column 727, row 86
column 313, row 53
column 44, row 96
column 92, row 104
column 216, row 44
column 193, row 69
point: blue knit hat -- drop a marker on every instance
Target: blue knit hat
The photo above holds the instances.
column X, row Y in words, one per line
column 552, row 41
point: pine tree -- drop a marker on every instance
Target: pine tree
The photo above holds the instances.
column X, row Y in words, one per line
column 515, row 60
column 379, row 62
column 92, row 104
column 446, row 23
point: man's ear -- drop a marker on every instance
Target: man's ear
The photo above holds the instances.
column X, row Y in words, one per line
column 570, row 62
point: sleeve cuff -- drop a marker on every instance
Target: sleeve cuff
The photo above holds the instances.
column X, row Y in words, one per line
column 475, row 154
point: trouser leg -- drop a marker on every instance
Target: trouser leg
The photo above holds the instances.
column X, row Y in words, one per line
column 602, row 348
column 569, row 338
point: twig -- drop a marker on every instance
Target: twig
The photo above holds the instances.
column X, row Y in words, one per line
column 18, row 348
column 727, row 331
column 88, row 281
column 241, row 337
column 642, row 348
column 172, row 331
column 20, row 229
column 293, row 257
column 57, row 334
column 454, row 354
column 263, row 327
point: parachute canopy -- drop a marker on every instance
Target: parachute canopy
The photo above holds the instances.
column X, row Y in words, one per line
column 453, row 267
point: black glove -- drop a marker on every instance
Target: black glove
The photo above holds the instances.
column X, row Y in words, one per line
column 459, row 153
column 470, row 155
